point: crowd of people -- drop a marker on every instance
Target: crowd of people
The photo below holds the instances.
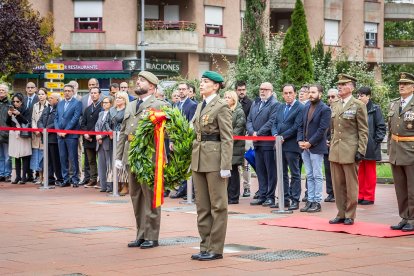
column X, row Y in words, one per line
column 339, row 141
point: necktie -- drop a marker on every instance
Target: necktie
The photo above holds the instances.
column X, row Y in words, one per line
column 262, row 103
column 66, row 105
column 138, row 104
column 181, row 105
column 203, row 105
column 402, row 105
column 286, row 112
column 29, row 102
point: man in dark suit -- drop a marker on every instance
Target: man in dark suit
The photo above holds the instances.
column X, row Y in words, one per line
column 30, row 99
column 188, row 108
column 312, row 140
column 259, row 123
column 67, row 118
column 47, row 120
column 288, row 120
column 246, row 103
column 88, row 122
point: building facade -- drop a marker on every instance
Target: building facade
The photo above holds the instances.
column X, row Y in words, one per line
column 102, row 38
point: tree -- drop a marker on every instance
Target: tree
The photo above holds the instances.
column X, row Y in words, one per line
column 26, row 38
column 296, row 61
column 324, row 66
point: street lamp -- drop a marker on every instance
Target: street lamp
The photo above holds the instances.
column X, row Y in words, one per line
column 142, row 42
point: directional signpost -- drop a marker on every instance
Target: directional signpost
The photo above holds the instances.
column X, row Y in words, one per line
column 54, row 76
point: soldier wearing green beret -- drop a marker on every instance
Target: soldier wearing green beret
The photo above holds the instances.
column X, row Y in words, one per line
column 401, row 150
column 211, row 165
column 349, row 138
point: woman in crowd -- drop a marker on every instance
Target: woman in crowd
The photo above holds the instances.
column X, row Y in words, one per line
column 36, row 162
column 175, row 97
column 116, row 114
column 367, row 172
column 239, row 129
column 20, row 146
column 104, row 146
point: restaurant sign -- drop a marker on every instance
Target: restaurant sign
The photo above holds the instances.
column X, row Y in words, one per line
column 97, row 65
column 153, row 65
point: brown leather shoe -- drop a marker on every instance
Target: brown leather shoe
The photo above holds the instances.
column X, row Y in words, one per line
column 124, row 190
column 90, row 184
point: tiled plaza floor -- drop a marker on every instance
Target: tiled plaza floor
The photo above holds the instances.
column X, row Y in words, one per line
column 34, row 241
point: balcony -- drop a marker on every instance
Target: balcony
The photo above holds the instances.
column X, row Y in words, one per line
column 93, row 41
column 167, row 36
column 399, row 10
column 399, row 51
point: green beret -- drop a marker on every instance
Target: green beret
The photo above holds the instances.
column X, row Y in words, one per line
column 149, row 77
column 214, row 76
column 344, row 78
column 406, row 78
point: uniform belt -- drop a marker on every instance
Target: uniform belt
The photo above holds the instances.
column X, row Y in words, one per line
column 402, row 138
column 208, row 137
column 130, row 137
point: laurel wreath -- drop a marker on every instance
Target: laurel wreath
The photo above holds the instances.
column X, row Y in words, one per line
column 142, row 149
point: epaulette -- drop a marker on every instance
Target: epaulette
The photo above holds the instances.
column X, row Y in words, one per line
column 395, row 100
column 222, row 101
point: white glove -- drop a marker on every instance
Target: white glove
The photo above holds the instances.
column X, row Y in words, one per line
column 118, row 164
column 225, row 173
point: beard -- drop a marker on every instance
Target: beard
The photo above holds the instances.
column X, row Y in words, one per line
column 141, row 91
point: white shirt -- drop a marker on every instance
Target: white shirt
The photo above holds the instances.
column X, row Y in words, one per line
column 210, row 98
column 406, row 101
column 146, row 98
column 346, row 100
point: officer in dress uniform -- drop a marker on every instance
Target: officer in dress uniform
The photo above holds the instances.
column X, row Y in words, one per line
column 349, row 138
column 147, row 219
column 211, row 165
column 401, row 150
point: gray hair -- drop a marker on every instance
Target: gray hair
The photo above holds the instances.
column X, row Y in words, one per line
column 5, row 86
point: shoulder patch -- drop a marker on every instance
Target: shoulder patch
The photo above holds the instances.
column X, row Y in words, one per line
column 395, row 100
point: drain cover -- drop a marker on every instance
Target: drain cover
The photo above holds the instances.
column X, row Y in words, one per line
column 110, row 202
column 280, row 255
column 179, row 240
column 179, row 209
column 255, row 216
column 92, row 229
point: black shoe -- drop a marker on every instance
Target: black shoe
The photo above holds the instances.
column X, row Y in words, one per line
column 31, row 179
column 64, row 184
column 198, row 255
column 2, row 178
column 330, row 198
column 276, row 205
column 348, row 221
column 178, row 194
column 185, row 197
column 75, row 185
column 166, row 193
column 268, row 202
column 149, row 244
column 305, row 198
column 359, row 201
column 257, row 202
column 337, row 220
column 294, row 206
column 307, row 206
column 7, row 179
column 408, row 228
column 366, row 202
column 85, row 181
column 256, row 195
column 22, row 182
column 246, row 193
column 102, row 191
column 399, row 226
column 315, row 207
column 210, row 257
column 233, row 201
column 17, row 180
column 136, row 243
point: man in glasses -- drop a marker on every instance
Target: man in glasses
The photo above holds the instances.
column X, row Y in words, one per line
column 332, row 97
column 125, row 87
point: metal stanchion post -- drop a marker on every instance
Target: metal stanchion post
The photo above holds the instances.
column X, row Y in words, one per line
column 279, row 171
column 45, row 161
column 114, row 169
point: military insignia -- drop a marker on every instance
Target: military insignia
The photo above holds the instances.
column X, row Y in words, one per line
column 409, row 116
column 403, row 76
column 144, row 114
column 410, row 126
column 204, row 119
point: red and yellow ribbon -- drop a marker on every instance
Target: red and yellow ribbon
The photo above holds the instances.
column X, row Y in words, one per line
column 158, row 118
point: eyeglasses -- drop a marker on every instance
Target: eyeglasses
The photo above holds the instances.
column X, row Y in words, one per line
column 16, row 101
column 105, row 102
column 331, row 97
column 30, row 87
column 124, row 87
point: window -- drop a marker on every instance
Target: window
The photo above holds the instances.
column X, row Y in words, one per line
column 171, row 13
column 152, row 12
column 88, row 16
column 331, row 32
column 213, row 18
column 371, row 34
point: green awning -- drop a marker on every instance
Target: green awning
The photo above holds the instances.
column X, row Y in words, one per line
column 26, row 76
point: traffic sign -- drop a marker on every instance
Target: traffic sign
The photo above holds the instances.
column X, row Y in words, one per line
column 54, row 76
column 55, row 66
column 54, row 85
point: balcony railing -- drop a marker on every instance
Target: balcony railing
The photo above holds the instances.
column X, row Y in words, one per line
column 399, row 43
column 169, row 25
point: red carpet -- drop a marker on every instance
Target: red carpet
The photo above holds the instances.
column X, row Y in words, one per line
column 321, row 224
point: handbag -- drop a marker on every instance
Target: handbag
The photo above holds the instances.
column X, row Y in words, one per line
column 25, row 133
column 249, row 155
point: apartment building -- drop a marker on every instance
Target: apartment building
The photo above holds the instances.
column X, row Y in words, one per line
column 102, row 38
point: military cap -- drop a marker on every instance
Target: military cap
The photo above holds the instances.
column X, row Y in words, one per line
column 149, row 77
column 344, row 78
column 406, row 78
column 214, row 76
